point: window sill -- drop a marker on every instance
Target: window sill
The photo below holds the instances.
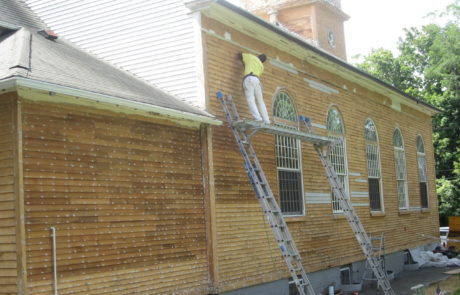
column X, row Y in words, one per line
column 404, row 212
column 425, row 210
column 377, row 214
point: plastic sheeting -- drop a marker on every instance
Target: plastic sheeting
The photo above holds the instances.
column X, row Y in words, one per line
column 428, row 259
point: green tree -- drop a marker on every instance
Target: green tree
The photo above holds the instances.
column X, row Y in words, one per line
column 428, row 67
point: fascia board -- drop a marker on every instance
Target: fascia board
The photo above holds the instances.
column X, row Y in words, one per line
column 96, row 97
column 260, row 29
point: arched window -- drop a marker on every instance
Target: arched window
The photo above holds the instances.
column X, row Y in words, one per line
column 373, row 165
column 288, row 158
column 400, row 163
column 421, row 159
column 337, row 152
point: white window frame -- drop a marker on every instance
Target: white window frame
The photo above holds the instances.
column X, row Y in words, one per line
column 289, row 123
column 400, row 158
column 376, row 145
column 340, row 135
column 422, row 171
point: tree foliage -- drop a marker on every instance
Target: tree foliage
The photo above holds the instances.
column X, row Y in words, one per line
column 428, row 68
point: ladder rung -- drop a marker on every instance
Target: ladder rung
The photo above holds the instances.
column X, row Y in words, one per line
column 276, row 219
column 286, row 240
column 278, row 225
column 272, row 211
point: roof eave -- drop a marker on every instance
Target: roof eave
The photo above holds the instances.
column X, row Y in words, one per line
column 15, row 82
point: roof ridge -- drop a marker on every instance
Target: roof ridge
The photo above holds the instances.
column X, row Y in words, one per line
column 22, row 48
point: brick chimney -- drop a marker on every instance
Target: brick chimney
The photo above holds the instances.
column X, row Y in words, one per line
column 318, row 21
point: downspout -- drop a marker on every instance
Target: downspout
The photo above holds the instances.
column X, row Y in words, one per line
column 53, row 236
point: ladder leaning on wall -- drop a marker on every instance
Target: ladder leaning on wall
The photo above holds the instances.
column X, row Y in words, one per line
column 243, row 131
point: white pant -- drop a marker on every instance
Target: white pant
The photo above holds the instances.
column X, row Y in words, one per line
column 253, row 91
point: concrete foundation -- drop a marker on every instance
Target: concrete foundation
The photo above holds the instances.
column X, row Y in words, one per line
column 280, row 287
column 320, row 280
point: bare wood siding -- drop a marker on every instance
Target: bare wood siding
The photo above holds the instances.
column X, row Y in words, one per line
column 125, row 196
column 246, row 251
column 152, row 39
column 8, row 255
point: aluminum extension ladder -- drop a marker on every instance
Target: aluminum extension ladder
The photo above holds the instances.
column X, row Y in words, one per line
column 378, row 248
column 267, row 201
column 363, row 239
column 273, row 212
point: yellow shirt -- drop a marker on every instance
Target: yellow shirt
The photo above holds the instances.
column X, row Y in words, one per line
column 252, row 64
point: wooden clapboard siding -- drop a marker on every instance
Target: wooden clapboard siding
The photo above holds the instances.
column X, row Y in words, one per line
column 125, row 195
column 8, row 253
column 247, row 253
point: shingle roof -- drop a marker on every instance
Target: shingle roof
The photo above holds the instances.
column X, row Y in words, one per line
column 28, row 54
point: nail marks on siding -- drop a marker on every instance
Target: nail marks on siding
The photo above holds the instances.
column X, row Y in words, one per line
column 317, row 198
column 321, row 87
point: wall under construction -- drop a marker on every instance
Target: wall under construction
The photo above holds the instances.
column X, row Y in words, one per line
column 246, row 252
column 124, row 193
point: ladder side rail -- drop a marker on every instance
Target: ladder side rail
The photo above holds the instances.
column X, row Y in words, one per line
column 264, row 193
column 349, row 212
column 256, row 178
column 279, row 219
column 260, row 176
column 348, row 209
column 360, row 233
column 355, row 222
column 286, row 243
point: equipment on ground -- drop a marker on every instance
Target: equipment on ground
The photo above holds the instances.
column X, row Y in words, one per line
column 378, row 247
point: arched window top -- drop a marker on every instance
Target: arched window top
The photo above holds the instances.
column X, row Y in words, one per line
column 284, row 107
column 334, row 122
column 420, row 145
column 370, row 132
column 397, row 139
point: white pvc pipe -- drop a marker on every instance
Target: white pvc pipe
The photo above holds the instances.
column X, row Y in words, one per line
column 53, row 235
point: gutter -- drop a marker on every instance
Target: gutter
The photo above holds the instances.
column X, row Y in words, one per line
column 318, row 51
column 14, row 82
